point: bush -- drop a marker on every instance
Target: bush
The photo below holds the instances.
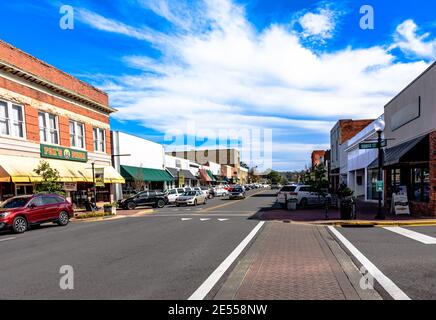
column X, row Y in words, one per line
column 96, row 214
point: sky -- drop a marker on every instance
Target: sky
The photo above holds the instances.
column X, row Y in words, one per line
column 270, row 77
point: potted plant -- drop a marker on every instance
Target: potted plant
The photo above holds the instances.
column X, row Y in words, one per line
column 110, row 208
column 345, row 195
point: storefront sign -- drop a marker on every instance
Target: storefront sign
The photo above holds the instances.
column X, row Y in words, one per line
column 99, row 177
column 400, row 202
column 62, row 153
column 181, row 180
column 380, row 186
column 70, row 186
column 372, row 145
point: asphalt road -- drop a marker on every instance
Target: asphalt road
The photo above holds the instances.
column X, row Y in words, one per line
column 407, row 262
column 166, row 255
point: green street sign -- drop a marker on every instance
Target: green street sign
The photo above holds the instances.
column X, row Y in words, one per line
column 380, row 186
column 372, row 145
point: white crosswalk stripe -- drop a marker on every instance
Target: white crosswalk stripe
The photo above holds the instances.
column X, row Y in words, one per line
column 412, row 235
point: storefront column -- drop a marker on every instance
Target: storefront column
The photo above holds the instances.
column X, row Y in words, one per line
column 432, row 173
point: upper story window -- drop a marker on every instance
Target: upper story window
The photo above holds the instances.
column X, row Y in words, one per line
column 11, row 119
column 48, row 127
column 99, row 140
column 77, row 134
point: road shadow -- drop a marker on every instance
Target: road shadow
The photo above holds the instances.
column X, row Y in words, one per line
column 9, row 232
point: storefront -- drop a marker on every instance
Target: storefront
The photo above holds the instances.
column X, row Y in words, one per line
column 138, row 179
column 182, row 178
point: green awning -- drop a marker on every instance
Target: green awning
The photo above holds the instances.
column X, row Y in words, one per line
column 211, row 175
column 145, row 174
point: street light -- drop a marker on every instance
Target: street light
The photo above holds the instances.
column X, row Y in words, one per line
column 379, row 127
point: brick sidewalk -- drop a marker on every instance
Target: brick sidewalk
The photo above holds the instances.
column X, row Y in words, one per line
column 290, row 262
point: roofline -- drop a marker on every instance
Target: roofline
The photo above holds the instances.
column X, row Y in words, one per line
column 410, row 84
column 28, row 76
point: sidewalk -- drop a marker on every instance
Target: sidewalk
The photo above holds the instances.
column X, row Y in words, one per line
column 294, row 262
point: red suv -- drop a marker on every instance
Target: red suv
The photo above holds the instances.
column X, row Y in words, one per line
column 19, row 213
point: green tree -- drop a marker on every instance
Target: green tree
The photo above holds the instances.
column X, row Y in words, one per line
column 50, row 179
column 274, row 177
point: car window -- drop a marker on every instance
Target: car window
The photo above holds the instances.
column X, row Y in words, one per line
column 305, row 189
column 288, row 188
column 180, row 190
column 190, row 193
column 142, row 195
column 152, row 193
column 172, row 192
column 46, row 200
column 36, row 202
column 15, row 203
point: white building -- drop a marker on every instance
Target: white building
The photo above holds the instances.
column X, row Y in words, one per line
column 362, row 175
column 182, row 170
column 141, row 162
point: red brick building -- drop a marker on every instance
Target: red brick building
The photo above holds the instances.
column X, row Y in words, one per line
column 46, row 114
column 318, row 157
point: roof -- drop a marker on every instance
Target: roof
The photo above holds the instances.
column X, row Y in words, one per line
column 188, row 174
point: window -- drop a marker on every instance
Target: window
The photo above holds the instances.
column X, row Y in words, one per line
column 420, row 184
column 77, row 135
column 48, row 127
column 99, row 140
column 11, row 119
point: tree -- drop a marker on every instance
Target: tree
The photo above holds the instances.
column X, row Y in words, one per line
column 138, row 182
column 50, row 179
column 274, row 177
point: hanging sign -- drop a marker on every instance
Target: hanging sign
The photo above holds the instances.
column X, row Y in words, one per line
column 99, row 177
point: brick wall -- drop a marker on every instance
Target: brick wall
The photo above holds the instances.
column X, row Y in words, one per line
column 31, row 119
column 64, row 131
column 349, row 128
column 24, row 61
column 89, row 137
column 432, row 165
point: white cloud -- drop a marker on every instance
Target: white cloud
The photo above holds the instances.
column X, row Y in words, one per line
column 319, row 24
column 218, row 72
column 408, row 40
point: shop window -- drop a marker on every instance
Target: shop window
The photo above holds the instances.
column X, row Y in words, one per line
column 420, row 184
column 99, row 139
column 48, row 127
column 11, row 119
column 77, row 134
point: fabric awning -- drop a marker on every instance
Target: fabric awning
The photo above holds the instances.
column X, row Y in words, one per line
column 174, row 172
column 188, row 174
column 393, row 155
column 145, row 174
column 212, row 177
column 204, row 175
column 20, row 169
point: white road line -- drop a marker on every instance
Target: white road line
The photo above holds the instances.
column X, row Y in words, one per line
column 384, row 281
column 212, row 280
column 412, row 235
column 204, row 219
column 6, row 239
column 184, row 219
column 223, row 219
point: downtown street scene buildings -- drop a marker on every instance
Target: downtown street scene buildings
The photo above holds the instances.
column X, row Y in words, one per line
column 229, row 150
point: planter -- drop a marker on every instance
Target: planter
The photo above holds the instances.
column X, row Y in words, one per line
column 110, row 210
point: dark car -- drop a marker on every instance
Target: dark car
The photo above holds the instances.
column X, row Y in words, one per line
column 144, row 198
column 237, row 193
column 19, row 213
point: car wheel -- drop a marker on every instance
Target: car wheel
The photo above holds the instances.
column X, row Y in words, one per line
column 131, row 205
column 63, row 219
column 195, row 202
column 177, row 205
column 160, row 203
column 205, row 201
column 19, row 225
column 303, row 203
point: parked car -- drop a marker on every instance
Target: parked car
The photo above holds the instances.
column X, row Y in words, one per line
column 303, row 193
column 172, row 194
column 221, row 192
column 206, row 191
column 237, row 193
column 20, row 213
column 144, row 198
column 275, row 186
column 194, row 197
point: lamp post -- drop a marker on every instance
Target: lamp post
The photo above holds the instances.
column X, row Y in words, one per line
column 379, row 126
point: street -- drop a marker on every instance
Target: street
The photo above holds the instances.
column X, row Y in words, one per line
column 166, row 255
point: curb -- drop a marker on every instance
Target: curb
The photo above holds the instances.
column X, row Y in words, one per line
column 362, row 223
column 141, row 213
column 93, row 219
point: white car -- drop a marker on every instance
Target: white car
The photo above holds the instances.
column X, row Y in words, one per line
column 221, row 192
column 303, row 193
column 191, row 198
column 172, row 194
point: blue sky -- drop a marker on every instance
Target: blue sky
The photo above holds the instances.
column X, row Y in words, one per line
column 233, row 68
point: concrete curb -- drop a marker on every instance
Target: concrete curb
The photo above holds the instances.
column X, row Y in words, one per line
column 363, row 223
column 94, row 219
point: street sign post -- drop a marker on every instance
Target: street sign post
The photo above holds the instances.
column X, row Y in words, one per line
column 372, row 145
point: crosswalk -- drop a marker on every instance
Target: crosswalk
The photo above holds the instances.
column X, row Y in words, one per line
column 205, row 219
column 425, row 239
